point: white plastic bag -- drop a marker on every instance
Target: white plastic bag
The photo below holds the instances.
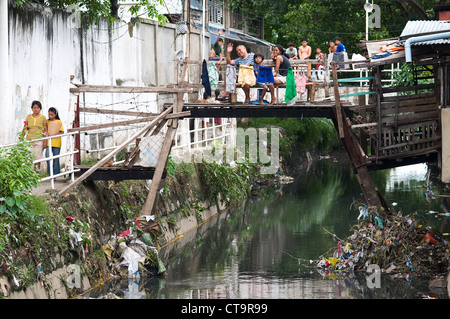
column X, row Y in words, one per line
column 131, row 259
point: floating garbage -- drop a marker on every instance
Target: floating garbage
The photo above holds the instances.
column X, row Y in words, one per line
column 394, row 242
column 132, row 253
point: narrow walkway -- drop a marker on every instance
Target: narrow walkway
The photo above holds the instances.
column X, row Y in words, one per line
column 45, row 188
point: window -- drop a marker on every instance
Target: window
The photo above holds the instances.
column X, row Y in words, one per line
column 215, row 9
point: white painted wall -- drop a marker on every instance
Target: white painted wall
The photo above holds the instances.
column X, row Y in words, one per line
column 47, row 46
column 5, row 96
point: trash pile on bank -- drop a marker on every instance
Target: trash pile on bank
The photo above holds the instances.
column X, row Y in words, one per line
column 396, row 243
column 134, row 253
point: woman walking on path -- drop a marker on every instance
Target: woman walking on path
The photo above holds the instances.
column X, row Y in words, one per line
column 55, row 127
column 35, row 126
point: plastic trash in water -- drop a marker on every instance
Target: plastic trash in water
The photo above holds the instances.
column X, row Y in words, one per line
column 409, row 263
column 378, row 222
column 362, row 212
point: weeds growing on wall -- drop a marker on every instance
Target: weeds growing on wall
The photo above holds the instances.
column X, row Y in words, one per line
column 225, row 182
column 29, row 228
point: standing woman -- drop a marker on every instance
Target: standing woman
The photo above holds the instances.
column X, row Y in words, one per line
column 35, row 126
column 55, row 127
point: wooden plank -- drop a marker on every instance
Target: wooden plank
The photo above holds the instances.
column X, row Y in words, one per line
column 408, row 109
column 411, row 118
column 128, row 122
column 325, row 78
column 117, row 112
column 162, row 161
column 354, row 126
column 405, row 154
column 147, row 208
column 337, row 100
column 413, row 142
column 408, row 88
column 412, row 99
column 117, row 150
column 377, row 85
column 85, row 88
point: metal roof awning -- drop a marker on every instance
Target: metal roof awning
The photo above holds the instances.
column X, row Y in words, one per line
column 411, row 29
column 419, row 28
column 237, row 36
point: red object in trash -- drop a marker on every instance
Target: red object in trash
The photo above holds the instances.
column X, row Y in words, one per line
column 430, row 239
column 70, row 219
column 125, row 233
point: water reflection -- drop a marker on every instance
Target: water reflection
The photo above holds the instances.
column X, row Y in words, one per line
column 263, row 248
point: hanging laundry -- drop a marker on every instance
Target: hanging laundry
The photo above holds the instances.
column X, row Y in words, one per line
column 246, row 75
column 205, row 78
column 291, row 91
column 213, row 75
column 230, row 76
column 265, row 75
column 300, row 82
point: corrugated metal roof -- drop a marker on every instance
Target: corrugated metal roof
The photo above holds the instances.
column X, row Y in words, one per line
column 421, row 27
column 236, row 36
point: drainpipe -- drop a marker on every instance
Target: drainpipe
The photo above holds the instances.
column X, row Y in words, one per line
column 5, row 98
column 422, row 38
column 203, row 29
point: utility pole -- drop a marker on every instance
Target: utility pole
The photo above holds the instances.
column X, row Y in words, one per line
column 6, row 108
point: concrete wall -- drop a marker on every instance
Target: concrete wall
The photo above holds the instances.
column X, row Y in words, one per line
column 47, row 46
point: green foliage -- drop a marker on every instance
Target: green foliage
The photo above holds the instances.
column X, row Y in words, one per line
column 405, row 77
column 224, row 182
column 95, row 10
column 171, row 221
column 322, row 20
column 18, row 177
column 170, row 167
column 313, row 134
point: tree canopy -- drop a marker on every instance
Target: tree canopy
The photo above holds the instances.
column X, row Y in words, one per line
column 94, row 10
column 322, row 20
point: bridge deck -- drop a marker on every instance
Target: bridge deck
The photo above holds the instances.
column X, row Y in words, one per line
column 119, row 173
column 322, row 109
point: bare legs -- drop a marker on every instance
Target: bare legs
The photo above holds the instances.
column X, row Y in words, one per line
column 271, row 88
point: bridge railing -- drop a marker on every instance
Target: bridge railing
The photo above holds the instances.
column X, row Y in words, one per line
column 388, row 79
column 200, row 133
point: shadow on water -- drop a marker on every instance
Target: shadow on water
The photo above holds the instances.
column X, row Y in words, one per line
column 268, row 246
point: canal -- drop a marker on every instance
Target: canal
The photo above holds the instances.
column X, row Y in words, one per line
column 267, row 247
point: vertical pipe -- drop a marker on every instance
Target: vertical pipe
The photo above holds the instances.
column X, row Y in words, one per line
column 6, row 108
column 367, row 23
column 77, row 157
column 203, row 30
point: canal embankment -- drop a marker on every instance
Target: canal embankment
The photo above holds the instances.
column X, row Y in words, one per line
column 72, row 230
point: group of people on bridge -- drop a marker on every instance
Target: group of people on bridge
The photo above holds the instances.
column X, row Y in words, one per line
column 248, row 69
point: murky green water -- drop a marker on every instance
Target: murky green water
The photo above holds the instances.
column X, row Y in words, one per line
column 263, row 248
